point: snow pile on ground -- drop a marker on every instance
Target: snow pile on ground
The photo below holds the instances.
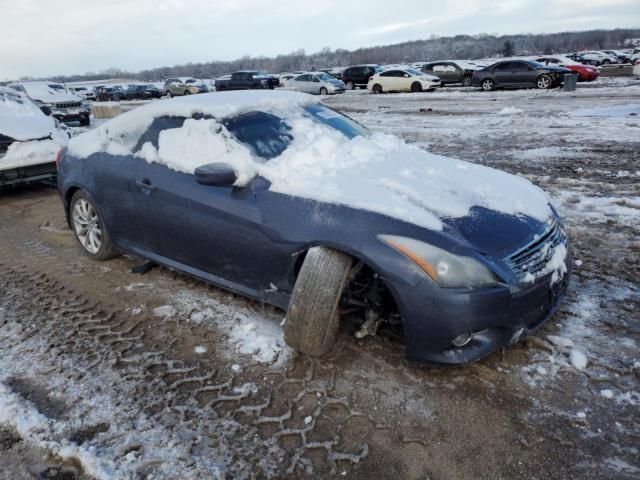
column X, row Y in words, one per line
column 380, row 173
column 632, row 110
column 510, row 111
column 22, row 154
column 248, row 332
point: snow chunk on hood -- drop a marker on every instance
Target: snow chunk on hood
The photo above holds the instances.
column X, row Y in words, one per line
column 379, row 173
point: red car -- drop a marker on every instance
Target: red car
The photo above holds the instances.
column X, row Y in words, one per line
column 586, row 73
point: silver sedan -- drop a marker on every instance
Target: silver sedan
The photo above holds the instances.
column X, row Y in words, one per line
column 318, row 83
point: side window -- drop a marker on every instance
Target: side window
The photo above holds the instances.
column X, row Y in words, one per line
column 387, row 74
column 450, row 68
column 153, row 132
column 265, row 134
column 438, row 68
column 520, row 66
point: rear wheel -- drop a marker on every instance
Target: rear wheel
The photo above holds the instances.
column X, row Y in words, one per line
column 488, row 85
column 544, row 81
column 169, row 94
column 466, row 81
column 377, row 88
column 313, row 316
column 187, row 92
column 350, row 85
column 416, row 87
column 324, row 91
column 606, row 62
column 89, row 228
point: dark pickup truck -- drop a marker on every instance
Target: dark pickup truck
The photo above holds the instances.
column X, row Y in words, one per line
column 247, row 80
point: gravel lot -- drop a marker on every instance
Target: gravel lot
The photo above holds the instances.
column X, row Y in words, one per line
column 106, row 373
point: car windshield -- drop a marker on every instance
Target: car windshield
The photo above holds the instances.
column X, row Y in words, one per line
column 191, row 80
column 379, row 69
column 268, row 135
column 324, row 76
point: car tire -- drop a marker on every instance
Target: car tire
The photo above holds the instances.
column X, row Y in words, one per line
column 187, row 92
column 488, row 85
column 377, row 88
column 313, row 315
column 416, row 87
column 466, row 81
column 85, row 121
column 606, row 62
column 324, row 91
column 350, row 85
column 82, row 211
column 169, row 94
column 544, row 82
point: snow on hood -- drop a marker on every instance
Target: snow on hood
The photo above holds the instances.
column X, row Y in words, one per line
column 378, row 173
column 43, row 92
column 20, row 119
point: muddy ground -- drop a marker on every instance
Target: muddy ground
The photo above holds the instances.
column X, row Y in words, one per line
column 158, row 375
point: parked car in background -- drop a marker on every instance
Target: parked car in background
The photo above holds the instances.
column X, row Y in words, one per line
column 586, row 73
column 109, row 93
column 518, row 74
column 358, row 75
column 142, row 92
column 306, row 210
column 248, row 80
column 402, row 80
column 623, row 57
column 451, row 71
column 86, row 93
column 29, row 141
column 592, row 57
column 55, row 100
column 317, row 83
column 333, row 71
column 283, row 78
column 176, row 87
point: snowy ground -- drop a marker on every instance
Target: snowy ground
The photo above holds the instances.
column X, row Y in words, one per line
column 109, row 374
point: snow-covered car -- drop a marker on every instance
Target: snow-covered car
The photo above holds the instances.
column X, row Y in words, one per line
column 55, row 98
column 586, row 73
column 623, row 57
column 316, row 83
column 86, row 93
column 29, row 141
column 593, row 57
column 184, row 86
column 275, row 196
column 402, row 80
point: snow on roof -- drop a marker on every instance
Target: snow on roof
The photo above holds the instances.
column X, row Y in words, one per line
column 379, row 173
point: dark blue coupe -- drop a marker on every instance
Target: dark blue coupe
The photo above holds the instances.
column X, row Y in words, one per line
column 277, row 197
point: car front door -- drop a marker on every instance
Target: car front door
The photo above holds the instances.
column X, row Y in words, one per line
column 504, row 74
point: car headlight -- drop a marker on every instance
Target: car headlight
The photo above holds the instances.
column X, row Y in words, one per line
column 446, row 269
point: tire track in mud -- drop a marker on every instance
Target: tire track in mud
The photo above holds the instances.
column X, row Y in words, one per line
column 275, row 437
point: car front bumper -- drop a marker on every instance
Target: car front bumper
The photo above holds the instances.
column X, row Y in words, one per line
column 497, row 317
column 68, row 115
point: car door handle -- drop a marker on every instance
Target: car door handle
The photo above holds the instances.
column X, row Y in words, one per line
column 145, row 185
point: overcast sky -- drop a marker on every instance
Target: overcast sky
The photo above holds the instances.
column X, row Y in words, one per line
column 47, row 37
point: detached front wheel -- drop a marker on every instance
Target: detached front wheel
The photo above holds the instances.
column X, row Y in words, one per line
column 313, row 316
column 89, row 228
column 544, row 82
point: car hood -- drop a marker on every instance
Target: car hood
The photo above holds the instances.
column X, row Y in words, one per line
column 46, row 95
column 490, row 231
column 24, row 121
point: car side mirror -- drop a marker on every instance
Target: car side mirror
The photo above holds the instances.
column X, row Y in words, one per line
column 216, row 175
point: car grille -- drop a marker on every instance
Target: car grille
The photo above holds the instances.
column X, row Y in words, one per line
column 68, row 105
column 533, row 257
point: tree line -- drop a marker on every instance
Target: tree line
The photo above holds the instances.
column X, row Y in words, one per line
column 434, row 48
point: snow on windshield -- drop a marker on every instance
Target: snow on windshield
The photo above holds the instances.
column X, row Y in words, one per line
column 379, row 173
column 21, row 119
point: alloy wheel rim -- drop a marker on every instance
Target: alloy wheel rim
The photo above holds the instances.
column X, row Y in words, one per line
column 486, row 85
column 86, row 224
column 543, row 82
